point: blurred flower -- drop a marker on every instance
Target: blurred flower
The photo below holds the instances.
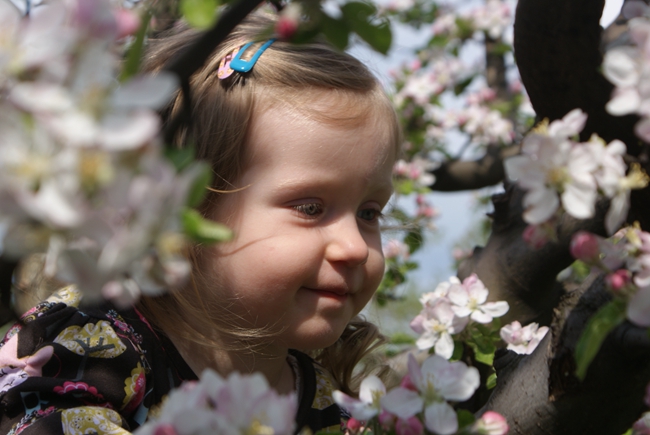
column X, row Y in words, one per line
column 235, row 405
column 395, row 248
column 368, row 405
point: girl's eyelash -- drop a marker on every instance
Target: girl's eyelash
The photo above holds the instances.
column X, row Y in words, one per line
column 377, row 214
column 310, row 210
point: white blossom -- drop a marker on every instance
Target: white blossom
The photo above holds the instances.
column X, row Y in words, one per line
column 525, row 339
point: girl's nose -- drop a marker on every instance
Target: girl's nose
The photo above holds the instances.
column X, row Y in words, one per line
column 346, row 243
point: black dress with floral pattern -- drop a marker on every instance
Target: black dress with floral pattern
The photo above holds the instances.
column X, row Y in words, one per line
column 66, row 370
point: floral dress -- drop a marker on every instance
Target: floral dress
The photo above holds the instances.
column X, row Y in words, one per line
column 66, row 370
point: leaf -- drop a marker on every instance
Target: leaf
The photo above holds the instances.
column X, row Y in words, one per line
column 491, row 381
column 414, row 239
column 203, row 230
column 200, row 183
column 465, row 418
column 462, row 85
column 359, row 17
column 336, row 31
column 180, row 158
column 458, row 351
column 199, row 13
column 599, row 326
column 134, row 54
column 402, row 338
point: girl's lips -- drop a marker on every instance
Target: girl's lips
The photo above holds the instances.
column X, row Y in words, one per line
column 338, row 294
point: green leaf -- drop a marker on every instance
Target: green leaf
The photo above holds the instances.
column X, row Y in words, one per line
column 491, row 381
column 359, row 18
column 199, row 186
column 465, row 418
column 629, row 432
column 599, row 326
column 402, row 338
column 336, row 31
column 414, row 239
column 180, row 158
column 199, row 13
column 203, row 230
column 134, row 54
column 462, row 85
column 458, row 351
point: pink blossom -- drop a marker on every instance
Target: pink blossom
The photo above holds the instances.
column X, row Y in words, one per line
column 520, row 339
column 469, row 299
column 288, row 21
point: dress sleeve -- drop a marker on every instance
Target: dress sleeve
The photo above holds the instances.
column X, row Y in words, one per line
column 63, row 371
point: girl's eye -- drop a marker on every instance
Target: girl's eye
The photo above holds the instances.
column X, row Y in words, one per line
column 369, row 214
column 309, row 210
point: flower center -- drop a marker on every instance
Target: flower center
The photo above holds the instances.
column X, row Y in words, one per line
column 557, row 178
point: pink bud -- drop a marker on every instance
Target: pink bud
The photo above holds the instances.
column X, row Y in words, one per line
column 492, row 423
column 411, row 426
column 128, row 22
column 354, row 425
column 286, row 27
column 165, row 429
column 535, row 236
column 618, row 280
column 386, row 419
column 408, row 383
column 585, row 247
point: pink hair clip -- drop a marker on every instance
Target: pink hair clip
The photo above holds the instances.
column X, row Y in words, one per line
column 224, row 70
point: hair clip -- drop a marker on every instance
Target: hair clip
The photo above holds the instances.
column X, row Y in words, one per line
column 224, row 70
column 239, row 65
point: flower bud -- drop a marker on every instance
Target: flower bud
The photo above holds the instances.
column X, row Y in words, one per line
column 491, row 423
column 618, row 280
column 354, row 425
column 585, row 247
column 535, row 236
column 386, row 419
column 128, row 22
column 288, row 21
column 407, row 383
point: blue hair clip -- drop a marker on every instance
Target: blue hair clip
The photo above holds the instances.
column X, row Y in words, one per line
column 243, row 66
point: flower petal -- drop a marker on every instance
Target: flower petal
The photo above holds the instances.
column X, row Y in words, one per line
column 440, row 418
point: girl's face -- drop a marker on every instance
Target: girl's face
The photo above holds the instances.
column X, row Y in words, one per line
column 306, row 256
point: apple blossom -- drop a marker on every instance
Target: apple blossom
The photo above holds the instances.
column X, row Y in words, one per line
column 436, row 381
column 371, row 391
column 520, row 339
column 234, row 405
column 469, row 299
column 436, row 324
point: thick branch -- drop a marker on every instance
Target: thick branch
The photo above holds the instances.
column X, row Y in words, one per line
column 557, row 45
column 459, row 175
column 539, row 393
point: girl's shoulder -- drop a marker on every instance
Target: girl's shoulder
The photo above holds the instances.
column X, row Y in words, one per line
column 65, row 365
column 317, row 408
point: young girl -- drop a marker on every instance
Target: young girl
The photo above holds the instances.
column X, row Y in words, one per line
column 302, row 148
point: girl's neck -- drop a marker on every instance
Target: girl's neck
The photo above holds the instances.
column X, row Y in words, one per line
column 271, row 362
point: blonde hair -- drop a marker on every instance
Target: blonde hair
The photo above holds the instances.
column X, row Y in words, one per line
column 222, row 112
